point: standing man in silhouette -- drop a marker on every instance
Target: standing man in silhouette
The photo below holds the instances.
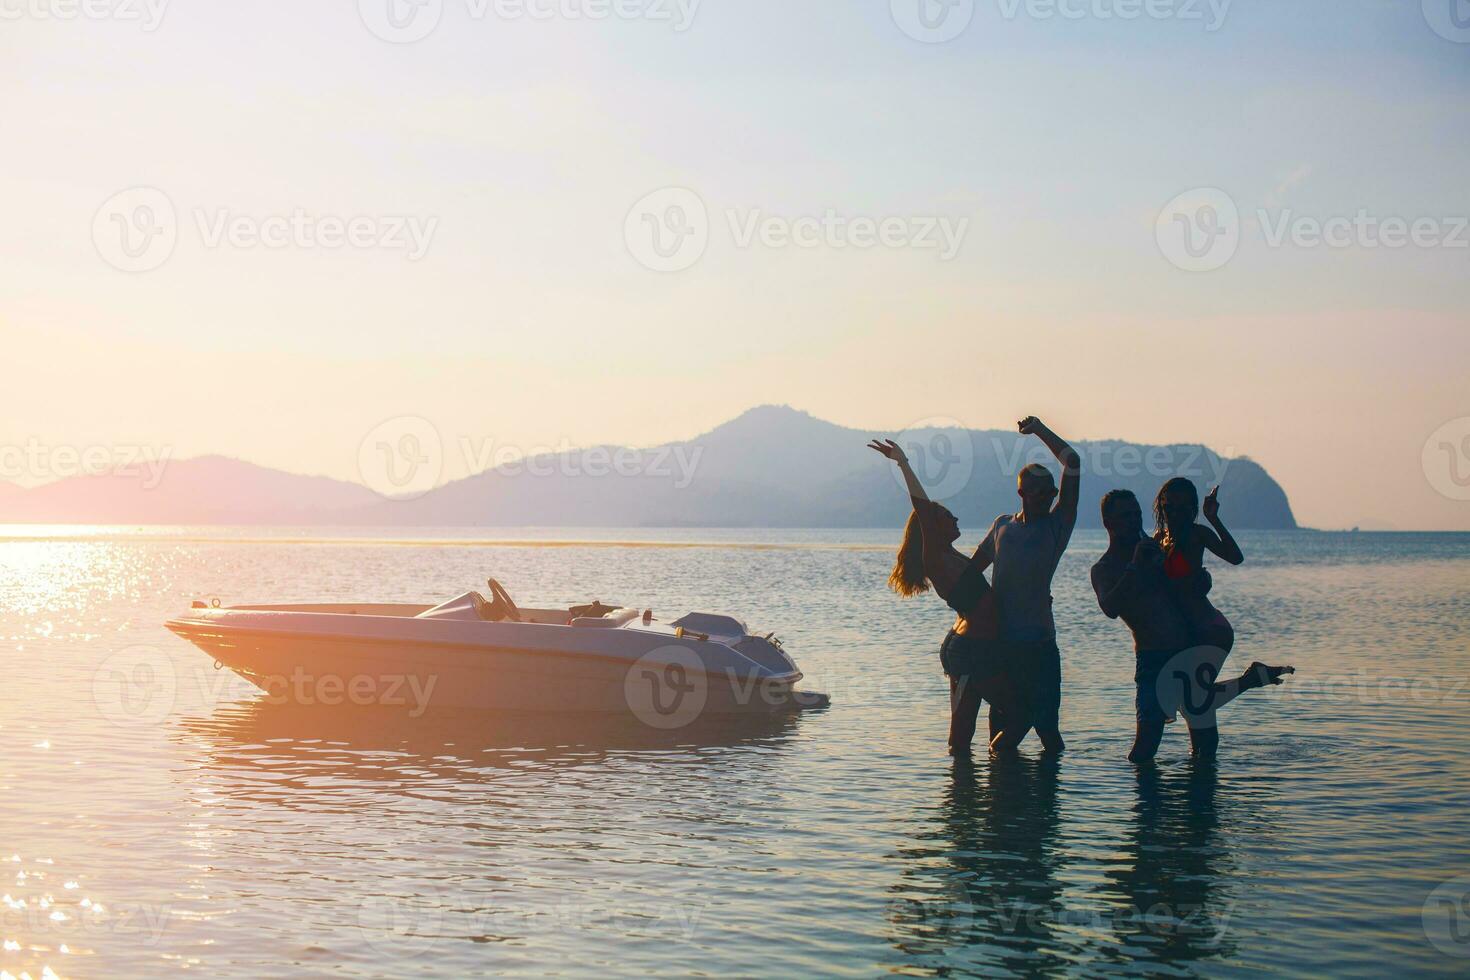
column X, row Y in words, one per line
column 1025, row 548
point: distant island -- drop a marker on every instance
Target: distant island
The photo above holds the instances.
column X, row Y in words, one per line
column 773, row 466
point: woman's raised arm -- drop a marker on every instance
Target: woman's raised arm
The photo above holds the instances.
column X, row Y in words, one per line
column 894, row 451
column 936, row 569
column 1221, row 542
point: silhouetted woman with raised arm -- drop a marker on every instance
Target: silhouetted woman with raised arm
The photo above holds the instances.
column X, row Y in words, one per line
column 971, row 655
column 1184, row 543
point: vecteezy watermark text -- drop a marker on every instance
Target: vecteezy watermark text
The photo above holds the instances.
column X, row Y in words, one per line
column 408, row 21
column 1118, row 459
column 138, row 686
column 669, row 230
column 148, row 14
column 837, row 231
column 411, row 925
column 954, row 905
column 1201, row 230
column 37, row 461
column 84, row 920
column 1210, row 14
column 943, row 452
column 413, row 691
column 1362, row 230
column 676, row 462
column 137, row 230
column 405, row 233
column 404, row 458
column 937, row 21
column 1369, row 688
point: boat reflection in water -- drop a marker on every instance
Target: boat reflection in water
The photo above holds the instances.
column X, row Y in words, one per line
column 300, row 754
column 471, row 838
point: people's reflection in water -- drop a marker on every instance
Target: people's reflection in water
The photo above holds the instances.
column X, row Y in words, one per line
column 1175, row 907
column 996, row 888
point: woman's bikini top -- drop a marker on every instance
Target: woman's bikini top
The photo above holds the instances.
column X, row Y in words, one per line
column 968, row 590
column 1177, row 566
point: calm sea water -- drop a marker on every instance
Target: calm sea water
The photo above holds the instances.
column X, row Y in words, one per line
column 176, row 822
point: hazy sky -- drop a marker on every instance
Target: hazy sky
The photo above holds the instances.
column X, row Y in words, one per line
column 526, row 313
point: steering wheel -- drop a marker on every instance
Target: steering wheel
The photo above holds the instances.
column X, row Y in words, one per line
column 501, row 600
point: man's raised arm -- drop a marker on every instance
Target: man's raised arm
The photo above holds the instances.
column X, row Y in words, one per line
column 1071, row 464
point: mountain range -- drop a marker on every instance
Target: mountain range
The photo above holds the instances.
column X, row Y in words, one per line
column 773, row 466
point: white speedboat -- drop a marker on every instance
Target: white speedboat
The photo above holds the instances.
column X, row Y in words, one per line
column 490, row 654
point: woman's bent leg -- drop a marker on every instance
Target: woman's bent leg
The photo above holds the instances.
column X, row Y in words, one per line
column 1257, row 675
column 1219, row 634
column 1008, row 739
column 964, row 709
column 1009, row 719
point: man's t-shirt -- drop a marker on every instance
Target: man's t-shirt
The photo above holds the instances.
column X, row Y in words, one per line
column 1024, row 555
column 1155, row 617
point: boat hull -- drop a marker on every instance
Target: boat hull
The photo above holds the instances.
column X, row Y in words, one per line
column 670, row 687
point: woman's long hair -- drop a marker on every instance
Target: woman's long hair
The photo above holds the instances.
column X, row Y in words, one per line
column 907, row 577
column 1161, row 523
